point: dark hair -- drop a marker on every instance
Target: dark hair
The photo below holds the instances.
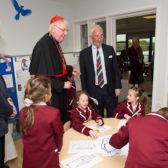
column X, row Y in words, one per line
column 77, row 96
column 164, row 112
column 36, row 90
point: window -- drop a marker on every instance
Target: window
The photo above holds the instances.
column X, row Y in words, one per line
column 121, row 43
column 84, row 35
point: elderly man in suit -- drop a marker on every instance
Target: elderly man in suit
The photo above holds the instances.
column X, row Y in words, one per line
column 100, row 75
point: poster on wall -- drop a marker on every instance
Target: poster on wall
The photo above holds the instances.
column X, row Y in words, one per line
column 21, row 66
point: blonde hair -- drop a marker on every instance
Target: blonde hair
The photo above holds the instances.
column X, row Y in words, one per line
column 95, row 27
column 36, row 90
column 142, row 98
column 164, row 112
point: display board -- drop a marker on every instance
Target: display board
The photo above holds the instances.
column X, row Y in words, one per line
column 21, row 69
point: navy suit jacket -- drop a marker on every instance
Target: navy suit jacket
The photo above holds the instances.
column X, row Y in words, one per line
column 88, row 72
column 5, row 109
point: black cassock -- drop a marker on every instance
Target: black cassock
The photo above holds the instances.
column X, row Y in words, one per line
column 47, row 59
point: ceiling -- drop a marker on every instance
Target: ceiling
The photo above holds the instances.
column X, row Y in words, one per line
column 136, row 26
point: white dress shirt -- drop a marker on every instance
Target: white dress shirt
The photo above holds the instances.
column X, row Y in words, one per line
column 94, row 53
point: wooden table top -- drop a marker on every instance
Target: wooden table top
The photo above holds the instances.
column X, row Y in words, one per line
column 107, row 162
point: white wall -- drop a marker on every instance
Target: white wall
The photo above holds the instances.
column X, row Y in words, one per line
column 19, row 37
column 97, row 8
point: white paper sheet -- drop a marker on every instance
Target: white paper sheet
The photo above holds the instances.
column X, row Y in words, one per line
column 8, row 80
column 102, row 144
column 81, row 161
column 83, row 146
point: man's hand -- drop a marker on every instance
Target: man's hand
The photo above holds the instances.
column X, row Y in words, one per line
column 4, row 56
column 14, row 108
column 117, row 92
column 75, row 72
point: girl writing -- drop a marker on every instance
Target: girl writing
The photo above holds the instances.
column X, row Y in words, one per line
column 83, row 112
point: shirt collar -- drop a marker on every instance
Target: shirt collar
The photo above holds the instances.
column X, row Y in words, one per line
column 95, row 47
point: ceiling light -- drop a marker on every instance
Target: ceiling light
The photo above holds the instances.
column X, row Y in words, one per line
column 150, row 17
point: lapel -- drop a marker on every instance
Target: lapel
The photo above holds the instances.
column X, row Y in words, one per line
column 105, row 57
column 137, row 110
column 90, row 61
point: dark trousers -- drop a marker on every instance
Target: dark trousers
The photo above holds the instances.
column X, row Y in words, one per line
column 105, row 100
column 2, row 151
column 59, row 100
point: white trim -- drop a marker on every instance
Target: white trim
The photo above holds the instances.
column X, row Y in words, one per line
column 158, row 115
column 83, row 129
column 80, row 113
column 90, row 114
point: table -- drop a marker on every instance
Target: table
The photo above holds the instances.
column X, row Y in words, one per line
column 107, row 162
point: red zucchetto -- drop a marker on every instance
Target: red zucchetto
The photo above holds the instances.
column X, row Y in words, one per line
column 56, row 18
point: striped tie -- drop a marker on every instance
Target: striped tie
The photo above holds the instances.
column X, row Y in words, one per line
column 99, row 70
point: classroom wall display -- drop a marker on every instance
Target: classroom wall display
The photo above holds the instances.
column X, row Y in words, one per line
column 21, row 68
column 7, row 71
column 17, row 74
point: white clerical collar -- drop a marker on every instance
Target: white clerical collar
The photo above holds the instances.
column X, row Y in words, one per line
column 158, row 115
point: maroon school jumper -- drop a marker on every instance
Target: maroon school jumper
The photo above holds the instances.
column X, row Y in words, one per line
column 79, row 117
column 44, row 140
column 126, row 108
column 148, row 141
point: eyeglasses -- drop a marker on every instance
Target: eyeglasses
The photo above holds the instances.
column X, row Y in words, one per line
column 99, row 37
column 63, row 30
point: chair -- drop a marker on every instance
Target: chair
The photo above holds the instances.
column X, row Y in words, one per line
column 67, row 126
